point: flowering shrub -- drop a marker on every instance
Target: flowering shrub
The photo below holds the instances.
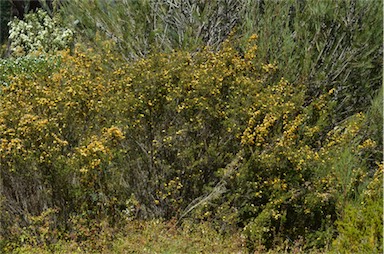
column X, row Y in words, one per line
column 95, row 132
column 300, row 170
column 210, row 135
column 38, row 32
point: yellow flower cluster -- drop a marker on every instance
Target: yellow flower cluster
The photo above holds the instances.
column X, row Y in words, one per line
column 114, row 134
column 367, row 144
column 92, row 154
column 274, row 108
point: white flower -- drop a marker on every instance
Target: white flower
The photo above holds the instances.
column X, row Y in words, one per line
column 38, row 31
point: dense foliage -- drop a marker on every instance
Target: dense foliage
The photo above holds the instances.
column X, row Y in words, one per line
column 327, row 44
column 241, row 142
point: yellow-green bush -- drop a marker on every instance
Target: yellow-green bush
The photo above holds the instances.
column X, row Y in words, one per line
column 360, row 228
column 302, row 169
column 209, row 135
column 93, row 132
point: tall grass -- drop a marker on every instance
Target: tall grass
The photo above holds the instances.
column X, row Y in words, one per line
column 139, row 27
column 326, row 44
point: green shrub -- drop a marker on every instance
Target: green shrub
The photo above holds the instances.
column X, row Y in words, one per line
column 323, row 44
column 28, row 66
column 374, row 129
column 360, row 228
column 297, row 183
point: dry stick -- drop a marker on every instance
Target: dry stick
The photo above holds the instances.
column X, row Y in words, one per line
column 217, row 190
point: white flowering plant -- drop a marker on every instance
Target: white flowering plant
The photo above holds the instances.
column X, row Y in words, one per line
column 38, row 32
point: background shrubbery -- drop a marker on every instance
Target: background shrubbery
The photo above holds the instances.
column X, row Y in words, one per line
column 38, row 32
column 181, row 113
